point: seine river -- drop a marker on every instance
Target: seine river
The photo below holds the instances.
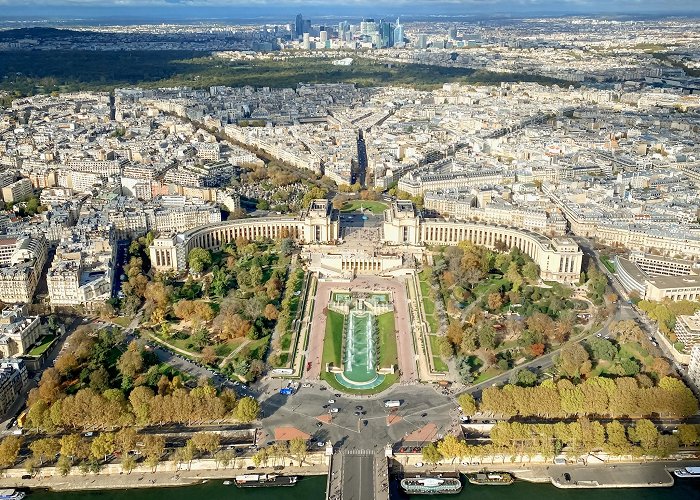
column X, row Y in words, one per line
column 313, row 488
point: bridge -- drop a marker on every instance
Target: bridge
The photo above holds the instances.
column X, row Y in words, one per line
column 357, row 474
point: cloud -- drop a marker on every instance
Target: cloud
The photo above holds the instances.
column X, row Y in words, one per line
column 276, row 7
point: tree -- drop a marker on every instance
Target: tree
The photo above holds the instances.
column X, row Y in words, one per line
column 207, row 442
column 128, row 463
column 431, row 454
column 131, row 362
column 627, row 331
column 209, row 355
column 688, row 434
column 494, row 301
column 645, row 433
column 531, row 271
column 74, row 447
column 602, row 349
column 299, row 449
column 45, row 449
column 153, row 448
column 9, row 450
column 125, row 440
column 102, row 445
column 63, row 465
column 573, row 360
column 199, row 259
column 467, row 403
column 450, row 447
column 487, row 338
column 523, row 378
column 66, row 363
column 247, row 409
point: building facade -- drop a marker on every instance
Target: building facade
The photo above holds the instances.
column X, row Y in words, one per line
column 320, row 224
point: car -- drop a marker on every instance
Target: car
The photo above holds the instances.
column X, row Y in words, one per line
column 325, row 406
column 88, row 434
column 320, row 444
column 364, row 423
column 358, row 407
column 331, row 401
column 319, row 424
column 306, row 385
column 466, row 463
column 333, row 410
column 250, row 467
column 322, row 388
column 423, row 415
column 419, row 464
column 599, row 335
column 337, row 395
column 357, row 413
column 567, row 476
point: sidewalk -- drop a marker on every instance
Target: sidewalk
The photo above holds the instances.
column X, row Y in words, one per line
column 79, row 481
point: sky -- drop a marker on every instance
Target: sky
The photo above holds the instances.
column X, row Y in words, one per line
column 275, row 9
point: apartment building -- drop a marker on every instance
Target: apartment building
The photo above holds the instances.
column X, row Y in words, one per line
column 17, row 191
column 19, row 273
column 18, row 332
column 13, row 377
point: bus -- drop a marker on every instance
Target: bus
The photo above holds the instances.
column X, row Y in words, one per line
column 392, row 403
column 21, row 419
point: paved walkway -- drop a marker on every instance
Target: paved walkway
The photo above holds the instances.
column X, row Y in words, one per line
column 233, row 353
column 146, row 480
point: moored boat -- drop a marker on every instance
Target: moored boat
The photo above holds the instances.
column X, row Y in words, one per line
column 10, row 494
column 264, row 480
column 432, row 484
column 687, row 472
column 491, row 478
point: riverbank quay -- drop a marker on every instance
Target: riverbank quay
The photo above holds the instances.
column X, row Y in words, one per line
column 619, row 475
column 168, row 474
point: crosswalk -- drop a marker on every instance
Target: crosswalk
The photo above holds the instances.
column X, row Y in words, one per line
column 355, row 451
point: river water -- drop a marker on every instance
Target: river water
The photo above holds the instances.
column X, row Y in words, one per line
column 313, row 488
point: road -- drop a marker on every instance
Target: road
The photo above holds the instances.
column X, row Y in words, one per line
column 307, row 410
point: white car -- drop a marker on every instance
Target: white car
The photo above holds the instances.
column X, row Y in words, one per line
column 419, row 464
column 320, row 444
column 333, row 410
column 306, row 385
column 331, row 401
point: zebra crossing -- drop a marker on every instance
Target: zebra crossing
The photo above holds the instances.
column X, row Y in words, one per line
column 356, row 451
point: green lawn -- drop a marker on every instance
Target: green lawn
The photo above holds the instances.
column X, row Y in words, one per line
column 438, row 363
column 376, row 207
column 432, row 323
column 635, row 350
column 491, row 372
column 333, row 340
column 428, row 302
column 45, row 343
column 388, row 354
column 122, row 321
column 607, row 263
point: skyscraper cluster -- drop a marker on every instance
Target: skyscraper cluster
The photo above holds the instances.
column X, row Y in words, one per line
column 381, row 34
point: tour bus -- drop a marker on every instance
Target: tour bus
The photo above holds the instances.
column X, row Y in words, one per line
column 392, row 403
